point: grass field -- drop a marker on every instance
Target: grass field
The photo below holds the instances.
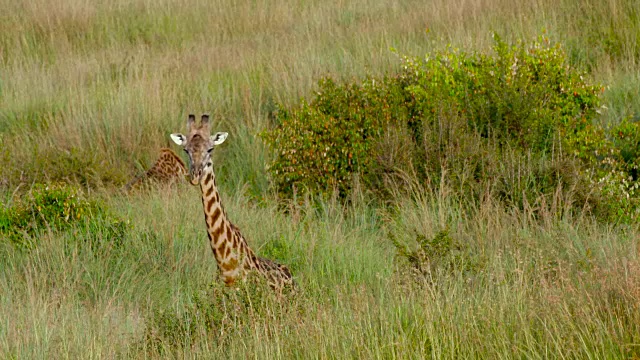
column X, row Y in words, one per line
column 89, row 92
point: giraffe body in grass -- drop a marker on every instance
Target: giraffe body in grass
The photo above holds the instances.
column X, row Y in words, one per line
column 168, row 168
column 233, row 255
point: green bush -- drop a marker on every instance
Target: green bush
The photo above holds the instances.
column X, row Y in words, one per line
column 626, row 142
column 321, row 145
column 525, row 95
column 519, row 123
column 450, row 107
column 617, row 176
column 56, row 207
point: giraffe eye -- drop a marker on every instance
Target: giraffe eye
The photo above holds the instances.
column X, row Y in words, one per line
column 186, row 151
column 210, row 150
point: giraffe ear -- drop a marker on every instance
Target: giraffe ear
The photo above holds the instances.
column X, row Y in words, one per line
column 219, row 138
column 178, row 139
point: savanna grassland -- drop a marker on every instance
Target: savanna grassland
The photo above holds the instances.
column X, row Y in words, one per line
column 421, row 265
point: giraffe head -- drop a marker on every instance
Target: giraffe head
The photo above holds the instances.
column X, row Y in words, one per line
column 198, row 144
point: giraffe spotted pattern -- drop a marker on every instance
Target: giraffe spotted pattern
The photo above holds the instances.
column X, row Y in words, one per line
column 168, row 168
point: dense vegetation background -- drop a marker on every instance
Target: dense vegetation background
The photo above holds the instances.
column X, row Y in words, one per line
column 447, row 179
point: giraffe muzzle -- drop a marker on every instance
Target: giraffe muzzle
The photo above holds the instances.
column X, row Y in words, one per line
column 195, row 177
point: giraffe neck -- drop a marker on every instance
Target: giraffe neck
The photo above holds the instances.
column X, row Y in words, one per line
column 214, row 214
column 233, row 255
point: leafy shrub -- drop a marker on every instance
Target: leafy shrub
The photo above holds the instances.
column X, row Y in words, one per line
column 322, row 144
column 517, row 123
column 617, row 177
column 52, row 206
column 450, row 109
column 626, row 142
column 524, row 95
column 57, row 207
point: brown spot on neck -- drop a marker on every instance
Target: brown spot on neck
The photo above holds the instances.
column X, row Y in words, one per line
column 209, row 206
column 216, row 234
column 208, row 178
column 215, row 215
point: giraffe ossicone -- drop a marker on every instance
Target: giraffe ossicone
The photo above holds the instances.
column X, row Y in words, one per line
column 233, row 255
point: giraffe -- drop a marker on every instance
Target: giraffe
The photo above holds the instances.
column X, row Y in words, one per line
column 168, row 168
column 233, row 255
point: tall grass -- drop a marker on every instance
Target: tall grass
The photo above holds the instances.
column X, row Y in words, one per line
column 90, row 90
column 530, row 288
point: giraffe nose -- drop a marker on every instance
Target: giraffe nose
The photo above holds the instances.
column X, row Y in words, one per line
column 195, row 176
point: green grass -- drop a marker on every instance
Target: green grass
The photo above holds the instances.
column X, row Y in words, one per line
column 90, row 90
